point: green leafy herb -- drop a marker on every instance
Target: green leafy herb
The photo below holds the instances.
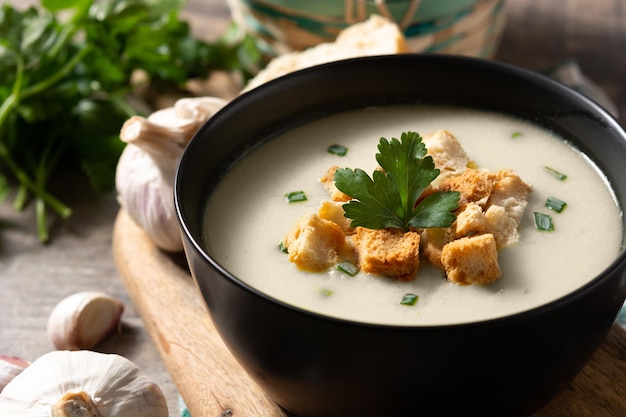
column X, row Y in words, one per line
column 558, row 175
column 347, row 268
column 282, row 247
column 338, row 150
column 67, row 69
column 390, row 199
column 543, row 222
column 327, row 292
column 409, row 299
column 516, row 134
column 555, row 204
column 295, row 196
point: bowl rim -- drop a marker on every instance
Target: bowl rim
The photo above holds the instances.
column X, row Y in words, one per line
column 513, row 70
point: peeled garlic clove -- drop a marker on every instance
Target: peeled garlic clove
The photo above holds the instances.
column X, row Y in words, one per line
column 82, row 384
column 84, row 319
column 10, row 367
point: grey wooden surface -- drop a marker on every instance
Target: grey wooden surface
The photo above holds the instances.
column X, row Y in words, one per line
column 34, row 277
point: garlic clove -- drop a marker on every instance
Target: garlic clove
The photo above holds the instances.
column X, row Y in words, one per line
column 80, row 384
column 84, row 319
column 147, row 198
column 146, row 170
column 10, row 367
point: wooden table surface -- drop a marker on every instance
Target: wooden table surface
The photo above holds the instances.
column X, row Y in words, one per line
column 34, row 277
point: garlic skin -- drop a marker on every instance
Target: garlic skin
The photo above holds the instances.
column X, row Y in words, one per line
column 83, row 319
column 10, row 367
column 82, row 384
column 146, row 169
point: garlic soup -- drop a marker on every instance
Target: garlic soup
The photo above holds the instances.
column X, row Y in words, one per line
column 247, row 216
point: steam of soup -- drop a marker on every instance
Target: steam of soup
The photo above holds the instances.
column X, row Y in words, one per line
column 247, row 216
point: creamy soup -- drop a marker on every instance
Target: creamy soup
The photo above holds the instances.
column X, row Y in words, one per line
column 247, row 216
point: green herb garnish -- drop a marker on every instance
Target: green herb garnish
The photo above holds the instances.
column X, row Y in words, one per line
column 282, row 247
column 326, row 292
column 558, row 175
column 67, row 69
column 543, row 222
column 409, row 299
column 347, row 268
column 516, row 134
column 555, row 204
column 295, row 196
column 390, row 198
column 338, row 150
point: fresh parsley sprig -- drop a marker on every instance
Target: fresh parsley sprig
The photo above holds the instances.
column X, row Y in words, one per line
column 67, row 70
column 390, row 198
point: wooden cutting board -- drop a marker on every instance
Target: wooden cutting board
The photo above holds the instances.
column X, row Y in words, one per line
column 212, row 383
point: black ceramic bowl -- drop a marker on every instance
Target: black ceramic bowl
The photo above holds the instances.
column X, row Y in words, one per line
column 318, row 366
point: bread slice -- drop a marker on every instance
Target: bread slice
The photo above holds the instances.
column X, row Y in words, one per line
column 375, row 36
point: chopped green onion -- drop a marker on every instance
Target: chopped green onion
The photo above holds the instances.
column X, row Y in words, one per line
column 338, row 150
column 347, row 268
column 558, row 175
column 295, row 196
column 516, row 134
column 555, row 204
column 543, row 222
column 282, row 247
column 327, row 292
column 409, row 299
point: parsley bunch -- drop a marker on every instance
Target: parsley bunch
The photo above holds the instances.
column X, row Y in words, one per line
column 66, row 72
column 390, row 198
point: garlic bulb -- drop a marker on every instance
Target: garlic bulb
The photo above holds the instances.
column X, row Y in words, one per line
column 147, row 167
column 84, row 319
column 82, row 384
column 10, row 367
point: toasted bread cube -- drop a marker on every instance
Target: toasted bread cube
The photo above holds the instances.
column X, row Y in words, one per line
column 510, row 192
column 447, row 153
column 474, row 185
column 328, row 181
column 315, row 244
column 433, row 239
column 470, row 221
column 502, row 226
column 471, row 260
column 333, row 211
column 388, row 252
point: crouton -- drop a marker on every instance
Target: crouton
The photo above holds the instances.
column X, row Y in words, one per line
column 316, row 244
column 511, row 193
column 474, row 185
column 387, row 252
column 470, row 221
column 447, row 153
column 328, row 181
column 471, row 260
column 333, row 211
column 502, row 226
column 433, row 239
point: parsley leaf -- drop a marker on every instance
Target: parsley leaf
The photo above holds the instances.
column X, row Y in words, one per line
column 390, row 198
column 67, row 69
